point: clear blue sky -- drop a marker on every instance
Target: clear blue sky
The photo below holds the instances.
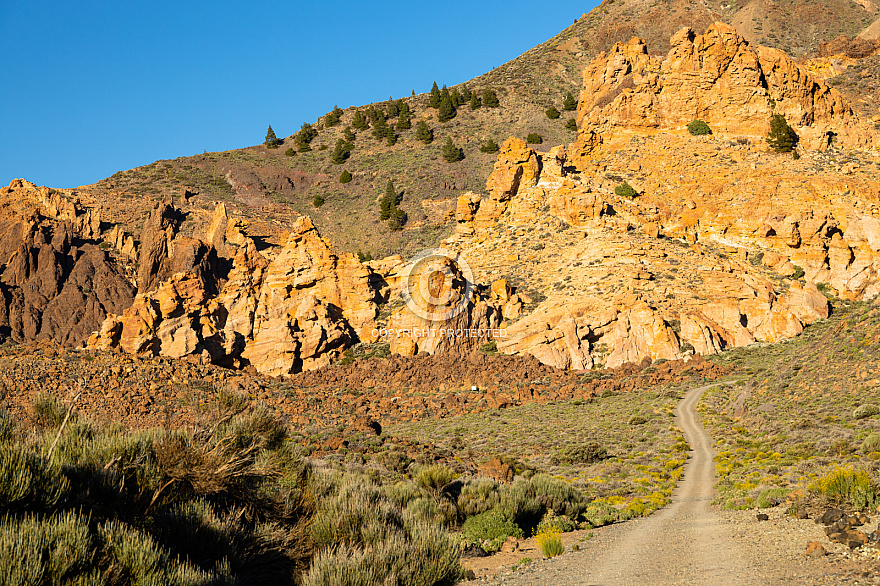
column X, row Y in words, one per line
column 91, row 88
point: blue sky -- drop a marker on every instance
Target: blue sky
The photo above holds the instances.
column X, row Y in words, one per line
column 91, row 88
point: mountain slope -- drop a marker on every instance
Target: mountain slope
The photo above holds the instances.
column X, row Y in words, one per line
column 270, row 188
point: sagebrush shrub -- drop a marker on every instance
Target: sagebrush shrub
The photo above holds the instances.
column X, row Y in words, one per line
column 871, row 443
column 699, row 128
column 490, row 530
column 866, row 410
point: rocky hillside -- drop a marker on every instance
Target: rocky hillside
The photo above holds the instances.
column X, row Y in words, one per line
column 702, row 254
column 636, row 241
column 270, row 188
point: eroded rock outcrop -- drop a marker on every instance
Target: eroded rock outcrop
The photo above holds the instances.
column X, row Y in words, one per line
column 56, row 281
column 716, row 77
column 281, row 311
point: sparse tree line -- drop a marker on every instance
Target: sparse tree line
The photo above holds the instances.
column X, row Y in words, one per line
column 386, row 121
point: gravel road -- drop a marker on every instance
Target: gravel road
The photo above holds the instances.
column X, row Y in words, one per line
column 685, row 543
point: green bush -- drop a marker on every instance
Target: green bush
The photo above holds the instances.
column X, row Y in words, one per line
column 587, row 453
column 490, row 146
column 290, row 152
column 489, row 530
column 637, row 420
column 534, row 138
column 625, row 190
column 871, row 443
column 771, row 497
column 318, row 201
column 569, row 103
column 552, row 113
column 571, row 125
column 866, row 410
column 432, row 479
column 345, row 176
column 699, row 128
column 490, row 99
column 424, row 555
column 847, row 486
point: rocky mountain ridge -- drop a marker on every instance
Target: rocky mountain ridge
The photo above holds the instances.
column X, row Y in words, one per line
column 721, row 247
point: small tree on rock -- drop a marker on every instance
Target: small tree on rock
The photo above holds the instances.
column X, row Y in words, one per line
column 490, row 146
column 424, row 133
column 782, row 137
column 569, row 103
column 450, row 152
column 625, row 190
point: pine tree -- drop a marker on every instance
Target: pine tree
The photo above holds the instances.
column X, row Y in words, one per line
column 572, row 125
column 333, row 117
column 456, row 98
column 490, row 98
column 340, row 153
column 390, row 135
column 403, row 122
column 446, row 112
column 388, row 203
column 476, row 102
column 290, row 152
column 450, row 152
column 782, row 137
column 359, row 121
column 552, row 113
column 348, row 135
column 423, row 133
column 434, row 98
column 465, row 94
column 380, row 128
column 318, row 201
column 393, row 109
column 345, row 177
column 304, row 137
column 397, row 220
column 569, row 103
column 534, row 138
column 272, row 141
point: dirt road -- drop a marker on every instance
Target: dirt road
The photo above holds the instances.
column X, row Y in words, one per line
column 685, row 543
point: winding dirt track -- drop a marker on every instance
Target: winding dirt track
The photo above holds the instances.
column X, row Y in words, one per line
column 685, row 543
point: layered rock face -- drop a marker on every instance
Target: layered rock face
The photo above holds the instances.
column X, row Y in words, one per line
column 726, row 240
column 716, row 77
column 56, row 281
column 280, row 310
